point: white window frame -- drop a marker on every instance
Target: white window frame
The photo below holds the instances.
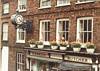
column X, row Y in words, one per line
column 43, row 31
column 5, row 58
column 5, row 31
column 5, row 8
column 18, row 40
column 20, row 5
column 20, row 61
column 41, row 5
column 78, row 37
column 63, row 4
column 58, row 39
column 78, row 1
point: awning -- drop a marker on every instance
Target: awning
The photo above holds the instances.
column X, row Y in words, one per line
column 44, row 59
column 72, row 65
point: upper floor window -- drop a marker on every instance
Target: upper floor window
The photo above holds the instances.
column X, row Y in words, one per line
column 45, row 3
column 83, row 1
column 62, row 29
column 5, row 8
column 44, row 30
column 20, row 62
column 21, row 35
column 85, row 29
column 5, row 32
column 63, row 2
column 22, row 4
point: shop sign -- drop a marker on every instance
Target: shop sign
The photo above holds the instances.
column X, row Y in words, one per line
column 78, row 59
column 40, row 54
column 56, row 56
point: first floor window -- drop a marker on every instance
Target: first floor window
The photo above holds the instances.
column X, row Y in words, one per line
column 20, row 62
column 22, row 5
column 44, row 30
column 5, row 31
column 45, row 3
column 21, row 35
column 63, row 2
column 62, row 29
column 5, row 8
column 85, row 29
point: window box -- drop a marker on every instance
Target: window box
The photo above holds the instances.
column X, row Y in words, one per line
column 90, row 47
column 39, row 44
column 76, row 49
column 54, row 45
column 63, row 45
column 32, row 43
column 76, row 46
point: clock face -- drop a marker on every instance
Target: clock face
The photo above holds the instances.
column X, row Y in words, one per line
column 19, row 19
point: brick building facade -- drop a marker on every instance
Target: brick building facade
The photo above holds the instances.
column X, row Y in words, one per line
column 20, row 57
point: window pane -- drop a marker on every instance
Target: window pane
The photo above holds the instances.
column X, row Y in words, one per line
column 85, row 25
column 6, row 8
column 66, row 36
column 89, row 37
column 46, row 36
column 5, row 31
column 22, row 36
column 63, row 25
column 67, row 25
column 85, row 37
column 45, row 3
column 48, row 26
column 62, row 2
column 81, row 25
column 89, row 25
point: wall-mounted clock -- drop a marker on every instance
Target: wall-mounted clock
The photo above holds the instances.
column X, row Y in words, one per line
column 17, row 19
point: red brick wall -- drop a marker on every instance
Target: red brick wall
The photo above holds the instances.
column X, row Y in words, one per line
column 72, row 12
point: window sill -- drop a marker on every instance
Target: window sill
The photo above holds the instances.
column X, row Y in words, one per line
column 63, row 5
column 5, row 13
column 24, row 10
column 84, row 2
column 45, row 7
column 5, row 40
column 20, row 41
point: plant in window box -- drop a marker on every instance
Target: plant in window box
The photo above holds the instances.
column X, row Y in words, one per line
column 40, row 44
column 64, row 45
column 76, row 46
column 54, row 45
column 32, row 43
column 90, row 47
